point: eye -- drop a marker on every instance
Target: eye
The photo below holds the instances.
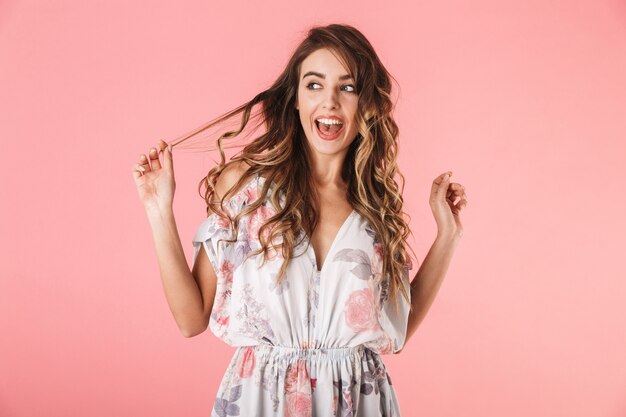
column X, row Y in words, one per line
column 353, row 89
column 309, row 86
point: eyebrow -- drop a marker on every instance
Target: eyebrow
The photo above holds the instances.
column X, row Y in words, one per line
column 319, row 74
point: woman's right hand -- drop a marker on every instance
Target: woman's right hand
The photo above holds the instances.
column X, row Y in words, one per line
column 154, row 177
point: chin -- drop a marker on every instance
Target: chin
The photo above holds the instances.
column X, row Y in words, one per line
column 328, row 148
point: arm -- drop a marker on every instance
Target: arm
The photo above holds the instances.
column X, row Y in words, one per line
column 190, row 294
column 181, row 288
column 429, row 277
column 427, row 281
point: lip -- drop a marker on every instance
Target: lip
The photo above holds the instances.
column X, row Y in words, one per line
column 327, row 137
column 329, row 116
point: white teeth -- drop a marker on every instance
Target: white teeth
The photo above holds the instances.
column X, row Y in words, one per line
column 330, row 121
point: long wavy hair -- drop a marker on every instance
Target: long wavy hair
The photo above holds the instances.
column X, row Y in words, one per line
column 281, row 156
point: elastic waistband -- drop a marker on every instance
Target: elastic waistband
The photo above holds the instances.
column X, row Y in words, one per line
column 326, row 353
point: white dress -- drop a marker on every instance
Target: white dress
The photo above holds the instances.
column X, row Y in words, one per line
column 311, row 346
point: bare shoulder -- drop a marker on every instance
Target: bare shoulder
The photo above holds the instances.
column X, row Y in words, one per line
column 228, row 178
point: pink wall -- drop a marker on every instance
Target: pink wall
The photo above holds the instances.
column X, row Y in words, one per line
column 524, row 101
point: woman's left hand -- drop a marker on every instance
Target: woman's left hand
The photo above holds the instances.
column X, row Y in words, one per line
column 445, row 210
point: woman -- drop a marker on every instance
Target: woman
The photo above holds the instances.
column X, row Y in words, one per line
column 302, row 263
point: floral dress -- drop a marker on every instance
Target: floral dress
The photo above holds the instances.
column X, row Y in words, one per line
column 310, row 346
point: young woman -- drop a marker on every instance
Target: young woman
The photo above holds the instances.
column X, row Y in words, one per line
column 301, row 263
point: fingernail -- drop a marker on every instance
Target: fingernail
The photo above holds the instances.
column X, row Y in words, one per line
column 142, row 168
column 445, row 178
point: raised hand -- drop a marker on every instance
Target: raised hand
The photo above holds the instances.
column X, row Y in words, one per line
column 154, row 177
column 442, row 203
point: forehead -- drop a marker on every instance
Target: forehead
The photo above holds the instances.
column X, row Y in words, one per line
column 325, row 62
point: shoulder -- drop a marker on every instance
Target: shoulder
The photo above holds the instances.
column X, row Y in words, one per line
column 228, row 178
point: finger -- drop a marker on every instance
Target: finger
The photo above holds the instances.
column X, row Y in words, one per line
column 137, row 171
column 143, row 161
column 441, row 177
column 462, row 202
column 437, row 182
column 457, row 191
column 154, row 159
column 443, row 186
column 167, row 157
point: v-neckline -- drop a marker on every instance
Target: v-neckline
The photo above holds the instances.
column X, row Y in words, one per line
column 311, row 250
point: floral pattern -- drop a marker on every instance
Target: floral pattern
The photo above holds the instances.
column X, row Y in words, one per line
column 361, row 311
column 312, row 345
column 298, row 390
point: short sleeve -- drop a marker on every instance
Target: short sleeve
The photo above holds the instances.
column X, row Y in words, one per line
column 394, row 321
column 215, row 229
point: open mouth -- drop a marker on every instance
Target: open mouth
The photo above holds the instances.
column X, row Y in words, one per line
column 328, row 129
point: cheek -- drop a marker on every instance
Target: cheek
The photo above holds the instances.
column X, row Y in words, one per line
column 305, row 121
column 351, row 107
column 354, row 125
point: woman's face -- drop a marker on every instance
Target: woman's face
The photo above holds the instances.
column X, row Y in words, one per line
column 327, row 102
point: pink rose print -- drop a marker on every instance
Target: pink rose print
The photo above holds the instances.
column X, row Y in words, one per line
column 298, row 391
column 246, row 363
column 226, row 269
column 222, row 222
column 297, row 376
column 382, row 345
column 221, row 323
column 291, row 379
column 223, row 289
column 257, row 219
column 223, row 320
column 298, row 404
column 360, row 311
column 252, row 194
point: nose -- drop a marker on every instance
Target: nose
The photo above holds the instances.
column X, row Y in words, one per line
column 330, row 99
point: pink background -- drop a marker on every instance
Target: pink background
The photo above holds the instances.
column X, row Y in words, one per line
column 524, row 101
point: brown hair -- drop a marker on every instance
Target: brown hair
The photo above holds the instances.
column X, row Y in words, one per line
column 281, row 156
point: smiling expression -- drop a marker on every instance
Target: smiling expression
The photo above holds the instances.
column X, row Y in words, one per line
column 327, row 94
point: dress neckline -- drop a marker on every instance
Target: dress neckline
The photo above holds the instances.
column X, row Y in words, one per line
column 310, row 250
column 338, row 235
column 309, row 247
